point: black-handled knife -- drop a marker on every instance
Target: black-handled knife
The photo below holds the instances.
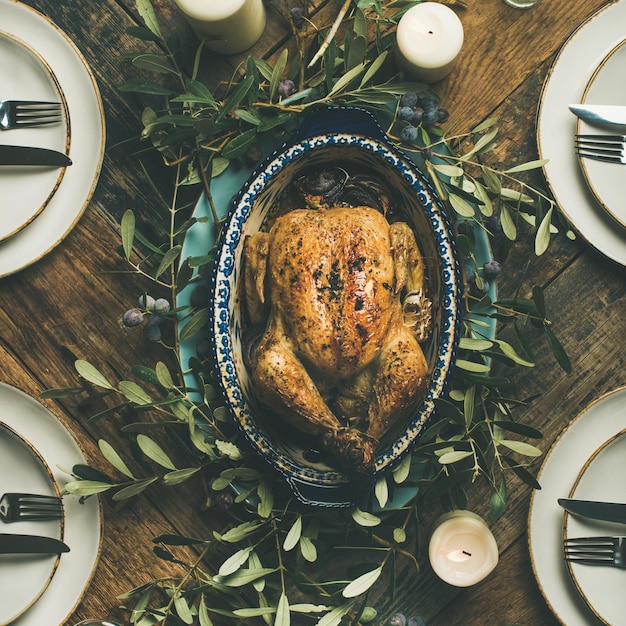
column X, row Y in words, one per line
column 31, row 544
column 605, row 511
column 26, row 155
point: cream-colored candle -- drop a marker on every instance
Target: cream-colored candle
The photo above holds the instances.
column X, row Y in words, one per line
column 428, row 40
column 462, row 549
column 232, row 26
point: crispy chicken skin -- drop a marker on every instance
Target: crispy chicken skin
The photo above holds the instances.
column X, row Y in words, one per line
column 335, row 359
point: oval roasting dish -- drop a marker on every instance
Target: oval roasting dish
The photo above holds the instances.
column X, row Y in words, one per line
column 349, row 138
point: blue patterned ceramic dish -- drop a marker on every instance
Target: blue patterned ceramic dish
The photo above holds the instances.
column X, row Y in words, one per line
column 345, row 137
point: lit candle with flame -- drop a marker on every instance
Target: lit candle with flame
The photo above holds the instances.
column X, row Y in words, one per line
column 462, row 549
column 231, row 26
column 428, row 39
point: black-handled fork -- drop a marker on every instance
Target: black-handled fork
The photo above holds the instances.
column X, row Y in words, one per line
column 21, row 507
column 596, row 551
column 28, row 113
column 607, row 148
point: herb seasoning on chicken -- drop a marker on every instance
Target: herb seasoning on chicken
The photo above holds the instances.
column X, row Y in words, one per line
column 337, row 358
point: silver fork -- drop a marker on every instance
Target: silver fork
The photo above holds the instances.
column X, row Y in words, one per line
column 609, row 148
column 27, row 113
column 19, row 507
column 596, row 551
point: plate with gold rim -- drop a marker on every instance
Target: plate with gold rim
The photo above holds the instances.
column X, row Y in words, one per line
column 574, row 65
column 600, row 421
column 24, row 578
column 82, row 530
column 25, row 191
column 85, row 117
column 606, row 180
column 599, row 586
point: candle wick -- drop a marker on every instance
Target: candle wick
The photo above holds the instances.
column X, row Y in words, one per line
column 467, row 553
column 430, row 32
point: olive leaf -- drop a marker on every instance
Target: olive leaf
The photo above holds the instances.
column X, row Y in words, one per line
column 282, row 611
column 154, row 452
column 294, row 534
column 128, row 232
column 381, row 491
column 114, row 458
column 235, row 561
column 363, row 518
column 134, row 490
column 86, row 488
column 147, row 12
column 243, row 576
column 134, row 393
column 362, row 583
column 277, row 72
column 178, row 476
column 308, row 549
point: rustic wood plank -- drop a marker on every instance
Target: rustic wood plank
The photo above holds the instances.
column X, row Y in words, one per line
column 68, row 304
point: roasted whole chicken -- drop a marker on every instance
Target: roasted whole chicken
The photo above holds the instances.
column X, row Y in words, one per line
column 339, row 353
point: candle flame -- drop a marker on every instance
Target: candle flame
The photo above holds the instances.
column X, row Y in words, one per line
column 459, row 556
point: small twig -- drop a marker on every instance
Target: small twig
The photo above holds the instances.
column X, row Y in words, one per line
column 331, row 33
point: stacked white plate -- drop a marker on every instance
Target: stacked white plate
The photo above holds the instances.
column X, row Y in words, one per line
column 40, row 205
column 587, row 461
column 587, row 69
column 36, row 455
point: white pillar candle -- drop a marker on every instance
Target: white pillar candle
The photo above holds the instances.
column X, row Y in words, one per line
column 428, row 40
column 231, row 25
column 462, row 549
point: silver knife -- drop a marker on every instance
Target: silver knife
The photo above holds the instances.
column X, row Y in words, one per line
column 605, row 511
column 607, row 114
column 25, row 155
column 31, row 544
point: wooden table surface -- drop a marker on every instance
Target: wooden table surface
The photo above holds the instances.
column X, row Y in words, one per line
column 68, row 305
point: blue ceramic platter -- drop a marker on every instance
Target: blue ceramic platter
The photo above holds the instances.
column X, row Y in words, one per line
column 341, row 136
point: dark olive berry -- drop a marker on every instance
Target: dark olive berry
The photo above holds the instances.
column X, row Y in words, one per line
column 397, row 619
column 418, row 114
column 297, row 16
column 286, row 88
column 491, row 269
column 408, row 99
column 405, row 113
column 152, row 332
column 429, row 104
column 224, row 500
column 408, row 134
column 442, row 115
column 146, row 302
column 161, row 307
column 132, row 317
column 430, row 117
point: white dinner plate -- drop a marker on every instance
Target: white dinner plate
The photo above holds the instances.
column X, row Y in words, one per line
column 86, row 150
column 586, row 433
column 26, row 190
column 600, row 479
column 574, row 65
column 607, row 181
column 23, row 578
column 83, row 520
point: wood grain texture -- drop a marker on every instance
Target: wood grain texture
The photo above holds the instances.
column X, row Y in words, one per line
column 68, row 305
